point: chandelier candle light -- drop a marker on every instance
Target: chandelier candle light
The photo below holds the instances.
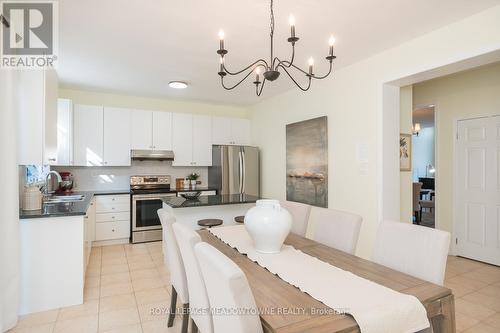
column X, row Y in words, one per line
column 271, row 71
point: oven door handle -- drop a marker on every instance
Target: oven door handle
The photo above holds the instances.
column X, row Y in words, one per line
column 151, row 196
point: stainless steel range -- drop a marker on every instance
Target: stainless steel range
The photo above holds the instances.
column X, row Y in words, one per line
column 147, row 192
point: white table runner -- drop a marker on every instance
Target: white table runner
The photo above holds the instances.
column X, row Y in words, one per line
column 376, row 309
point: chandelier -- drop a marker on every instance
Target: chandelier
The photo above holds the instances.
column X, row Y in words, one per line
column 271, row 70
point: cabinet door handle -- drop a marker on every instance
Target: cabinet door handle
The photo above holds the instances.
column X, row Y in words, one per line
column 113, row 230
column 112, row 217
column 52, row 159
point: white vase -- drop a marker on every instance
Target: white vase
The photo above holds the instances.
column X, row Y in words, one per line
column 268, row 224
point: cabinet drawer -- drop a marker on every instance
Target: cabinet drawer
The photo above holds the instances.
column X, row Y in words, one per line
column 120, row 198
column 110, row 217
column 112, row 230
column 112, row 203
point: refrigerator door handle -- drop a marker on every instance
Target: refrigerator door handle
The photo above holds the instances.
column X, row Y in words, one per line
column 243, row 178
column 240, row 161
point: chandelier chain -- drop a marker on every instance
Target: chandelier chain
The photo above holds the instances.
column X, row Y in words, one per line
column 272, row 20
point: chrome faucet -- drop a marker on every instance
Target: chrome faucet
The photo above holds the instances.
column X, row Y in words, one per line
column 59, row 179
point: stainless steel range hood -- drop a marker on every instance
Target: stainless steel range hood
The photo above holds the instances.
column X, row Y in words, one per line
column 157, row 155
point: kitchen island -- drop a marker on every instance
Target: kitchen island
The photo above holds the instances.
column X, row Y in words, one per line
column 225, row 207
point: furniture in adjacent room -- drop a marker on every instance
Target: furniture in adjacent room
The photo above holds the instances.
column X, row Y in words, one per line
column 416, row 202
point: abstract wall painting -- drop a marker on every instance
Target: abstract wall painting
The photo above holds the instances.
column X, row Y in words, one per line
column 307, row 162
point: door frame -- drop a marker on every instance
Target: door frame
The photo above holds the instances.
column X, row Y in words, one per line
column 454, row 246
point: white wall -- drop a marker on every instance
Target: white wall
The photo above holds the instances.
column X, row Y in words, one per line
column 423, row 153
column 353, row 101
column 464, row 95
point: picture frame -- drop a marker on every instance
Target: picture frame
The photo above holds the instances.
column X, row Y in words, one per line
column 405, row 152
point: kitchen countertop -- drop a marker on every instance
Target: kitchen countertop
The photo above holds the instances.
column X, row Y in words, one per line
column 74, row 208
column 210, row 200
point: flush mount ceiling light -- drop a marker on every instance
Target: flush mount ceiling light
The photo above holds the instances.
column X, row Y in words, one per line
column 271, row 70
column 177, row 84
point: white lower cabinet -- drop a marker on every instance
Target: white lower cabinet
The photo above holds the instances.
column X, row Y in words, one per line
column 112, row 218
column 112, row 230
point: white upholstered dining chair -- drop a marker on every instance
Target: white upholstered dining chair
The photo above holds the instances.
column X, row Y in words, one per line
column 338, row 229
column 412, row 249
column 199, row 305
column 227, row 288
column 176, row 267
column 300, row 215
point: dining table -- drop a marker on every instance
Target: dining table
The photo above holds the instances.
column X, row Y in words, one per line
column 284, row 308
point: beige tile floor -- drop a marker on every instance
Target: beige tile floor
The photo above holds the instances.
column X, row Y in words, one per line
column 127, row 288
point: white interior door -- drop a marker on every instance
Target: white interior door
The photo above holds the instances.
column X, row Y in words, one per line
column 477, row 189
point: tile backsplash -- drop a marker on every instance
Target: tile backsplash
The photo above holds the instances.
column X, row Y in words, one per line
column 118, row 178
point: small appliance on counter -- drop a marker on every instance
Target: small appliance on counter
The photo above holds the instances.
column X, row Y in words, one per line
column 32, row 198
column 67, row 183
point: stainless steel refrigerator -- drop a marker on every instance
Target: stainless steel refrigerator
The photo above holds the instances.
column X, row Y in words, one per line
column 235, row 170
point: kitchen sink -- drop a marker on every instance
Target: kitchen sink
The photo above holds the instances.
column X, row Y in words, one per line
column 63, row 198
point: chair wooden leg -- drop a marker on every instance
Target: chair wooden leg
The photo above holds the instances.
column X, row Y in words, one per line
column 185, row 318
column 194, row 328
column 173, row 305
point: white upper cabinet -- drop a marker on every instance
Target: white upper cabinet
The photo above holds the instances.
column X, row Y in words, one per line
column 117, row 128
column 221, row 131
column 64, row 132
column 230, row 131
column 142, row 134
column 191, row 140
column 202, row 147
column 151, row 130
column 182, row 139
column 240, row 131
column 88, row 135
column 37, row 116
column 162, row 130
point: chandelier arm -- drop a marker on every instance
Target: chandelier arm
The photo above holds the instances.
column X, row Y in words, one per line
column 237, row 84
column 296, row 83
column 286, row 63
column 246, row 68
column 261, row 88
column 324, row 76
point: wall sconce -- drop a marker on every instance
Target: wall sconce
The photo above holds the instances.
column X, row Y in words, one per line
column 416, row 129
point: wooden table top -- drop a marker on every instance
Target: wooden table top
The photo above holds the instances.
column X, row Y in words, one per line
column 287, row 309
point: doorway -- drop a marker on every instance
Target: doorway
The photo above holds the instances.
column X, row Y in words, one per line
column 424, row 166
column 477, row 184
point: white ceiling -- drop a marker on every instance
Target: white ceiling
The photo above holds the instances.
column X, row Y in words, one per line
column 137, row 47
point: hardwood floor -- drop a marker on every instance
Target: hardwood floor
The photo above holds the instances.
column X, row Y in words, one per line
column 128, row 290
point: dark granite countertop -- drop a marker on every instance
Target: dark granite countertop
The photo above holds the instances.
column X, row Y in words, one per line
column 210, row 200
column 74, row 208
